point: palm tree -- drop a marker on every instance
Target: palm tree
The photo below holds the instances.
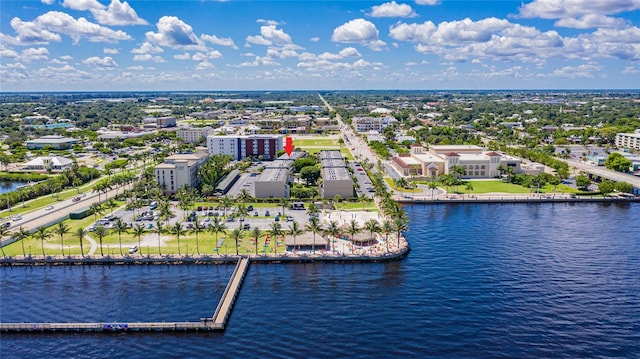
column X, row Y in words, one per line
column 242, row 213
column 283, row 202
column 236, row 234
column 226, row 202
column 216, row 227
column 4, row 231
column 79, row 233
column 275, row 231
column 22, row 234
column 313, row 209
column 401, row 224
column 120, row 227
column 256, row 235
column 362, row 199
column 386, row 228
column 295, row 230
column 314, row 226
column 469, row 187
column 101, row 232
column 97, row 209
column 243, row 196
column 353, row 229
column 111, row 204
column 159, row 230
column 432, row 186
column 373, row 227
column 178, row 231
column 197, row 228
column 42, row 234
column 138, row 231
column 61, row 229
column 332, row 231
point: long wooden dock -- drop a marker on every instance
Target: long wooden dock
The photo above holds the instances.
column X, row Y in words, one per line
column 217, row 322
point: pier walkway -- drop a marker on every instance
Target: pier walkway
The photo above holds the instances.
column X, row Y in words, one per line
column 217, row 322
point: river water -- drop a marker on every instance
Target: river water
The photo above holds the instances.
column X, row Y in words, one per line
column 482, row 281
column 10, row 186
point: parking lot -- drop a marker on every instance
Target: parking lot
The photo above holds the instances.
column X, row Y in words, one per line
column 366, row 187
column 262, row 217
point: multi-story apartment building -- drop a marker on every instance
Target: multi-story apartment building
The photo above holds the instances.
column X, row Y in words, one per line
column 179, row 170
column 336, row 180
column 194, row 135
column 240, row 147
column 628, row 140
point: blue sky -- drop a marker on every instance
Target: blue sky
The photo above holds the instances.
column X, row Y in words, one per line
column 116, row 45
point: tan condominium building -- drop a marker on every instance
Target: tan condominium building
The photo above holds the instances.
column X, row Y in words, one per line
column 179, row 170
column 628, row 140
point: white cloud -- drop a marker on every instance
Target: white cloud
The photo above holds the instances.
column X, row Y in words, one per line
column 29, row 33
column 110, row 51
column 259, row 61
column 393, row 9
column 148, row 57
column 222, row 41
column 48, row 2
column 64, row 23
column 631, row 70
column 199, row 56
column 204, row 65
column 591, row 21
column 100, row 63
column 83, row 5
column 135, row 68
column 349, row 52
column 184, row 56
column 7, row 53
column 269, row 22
column 174, row 33
column 33, row 54
column 118, row 13
column 358, row 31
column 66, row 57
column 147, row 48
column 560, row 9
column 580, row 71
column 427, row 2
column 270, row 35
column 314, row 39
column 467, row 30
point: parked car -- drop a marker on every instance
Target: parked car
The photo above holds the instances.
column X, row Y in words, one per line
column 6, row 224
column 276, row 218
column 17, row 217
column 133, row 249
column 267, row 214
column 246, row 226
column 255, row 214
column 76, row 199
column 149, row 225
column 250, row 208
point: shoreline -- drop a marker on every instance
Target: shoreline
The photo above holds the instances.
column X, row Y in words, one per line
column 498, row 198
column 203, row 259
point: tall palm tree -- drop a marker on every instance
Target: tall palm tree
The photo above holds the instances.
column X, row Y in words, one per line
column 243, row 196
column 353, row 229
column 242, row 213
column 387, row 228
column 314, row 226
column 101, row 232
column 295, row 230
column 22, row 234
column 313, row 209
column 275, row 231
column 363, row 199
column 4, row 231
column 139, row 231
column 61, row 229
column 225, row 202
column 178, row 231
column 236, row 235
column 97, row 209
column 332, row 231
column 79, row 233
column 197, row 228
column 159, row 229
column 42, row 234
column 283, row 202
column 401, row 224
column 111, row 204
column 373, row 227
column 216, row 227
column 120, row 227
column 256, row 233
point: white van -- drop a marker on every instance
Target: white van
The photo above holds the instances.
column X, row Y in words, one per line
column 133, row 249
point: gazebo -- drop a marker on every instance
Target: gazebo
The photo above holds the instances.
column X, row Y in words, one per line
column 305, row 242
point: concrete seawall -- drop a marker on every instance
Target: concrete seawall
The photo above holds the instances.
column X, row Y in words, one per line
column 515, row 199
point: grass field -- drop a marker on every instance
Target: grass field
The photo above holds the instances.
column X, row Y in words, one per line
column 403, row 190
column 481, row 187
column 313, row 142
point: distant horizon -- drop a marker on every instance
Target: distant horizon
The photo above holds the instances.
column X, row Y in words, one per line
column 250, row 45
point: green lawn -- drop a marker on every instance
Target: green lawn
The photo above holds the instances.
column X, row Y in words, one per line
column 313, row 142
column 481, row 187
column 403, row 190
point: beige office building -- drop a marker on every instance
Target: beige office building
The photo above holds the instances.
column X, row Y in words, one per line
column 179, row 170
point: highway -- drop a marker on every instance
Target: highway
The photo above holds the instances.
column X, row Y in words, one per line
column 606, row 173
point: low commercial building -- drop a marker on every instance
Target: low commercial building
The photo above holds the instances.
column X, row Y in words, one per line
column 629, row 141
column 275, row 180
column 179, row 170
column 53, row 141
column 336, row 179
column 49, row 163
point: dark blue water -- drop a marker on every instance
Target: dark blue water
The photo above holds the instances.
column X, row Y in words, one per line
column 10, row 186
column 482, row 281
